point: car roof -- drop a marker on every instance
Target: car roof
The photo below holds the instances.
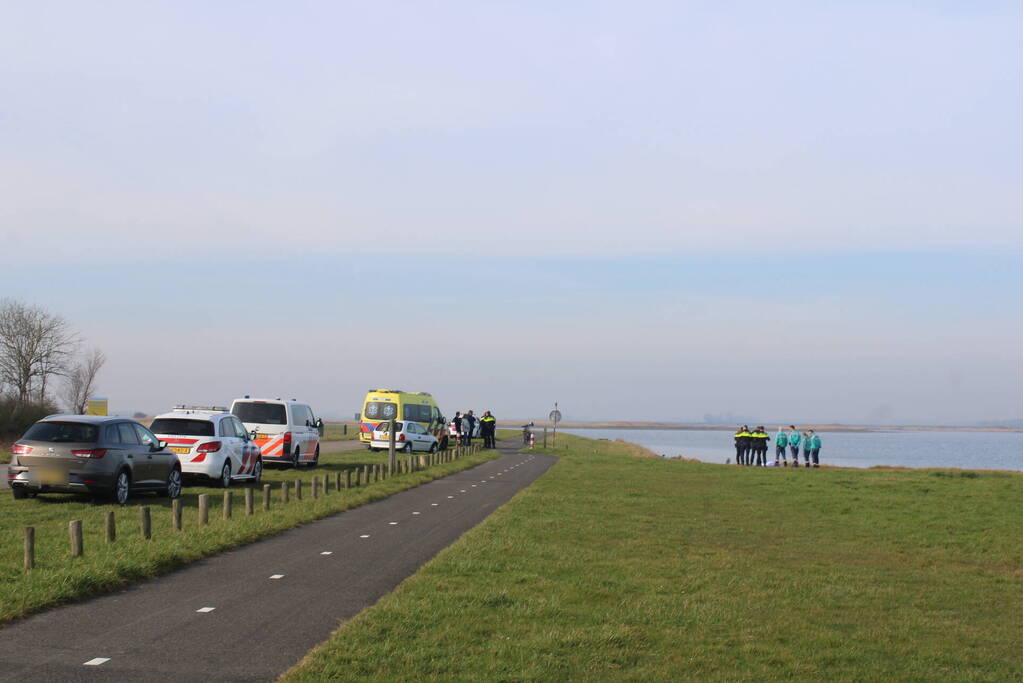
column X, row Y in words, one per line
column 281, row 401
column 208, row 415
column 92, row 419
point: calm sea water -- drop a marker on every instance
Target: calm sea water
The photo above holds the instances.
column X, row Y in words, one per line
column 967, row 450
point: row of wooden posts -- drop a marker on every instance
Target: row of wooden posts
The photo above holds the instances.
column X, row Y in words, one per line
column 352, row 477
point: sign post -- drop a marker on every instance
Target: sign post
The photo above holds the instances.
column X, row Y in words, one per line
column 555, row 417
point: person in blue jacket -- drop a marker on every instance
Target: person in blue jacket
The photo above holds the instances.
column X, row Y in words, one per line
column 794, row 445
column 815, row 447
column 806, row 448
column 781, row 442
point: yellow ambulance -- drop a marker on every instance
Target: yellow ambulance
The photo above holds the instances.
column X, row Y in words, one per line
column 382, row 405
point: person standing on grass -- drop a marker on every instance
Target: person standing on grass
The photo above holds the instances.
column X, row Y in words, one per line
column 488, row 426
column 468, row 425
column 794, row 445
column 815, row 447
column 762, row 438
column 806, row 448
column 457, row 421
column 742, row 437
column 781, row 444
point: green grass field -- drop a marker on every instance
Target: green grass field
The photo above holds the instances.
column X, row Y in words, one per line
column 60, row 578
column 618, row 567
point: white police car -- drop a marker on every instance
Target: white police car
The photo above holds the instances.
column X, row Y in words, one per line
column 408, row 436
column 210, row 443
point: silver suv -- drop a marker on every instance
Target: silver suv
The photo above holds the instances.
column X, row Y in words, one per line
column 97, row 455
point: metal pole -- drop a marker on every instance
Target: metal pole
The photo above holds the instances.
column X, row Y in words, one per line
column 390, row 446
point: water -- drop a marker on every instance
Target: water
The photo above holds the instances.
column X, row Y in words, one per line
column 966, row 450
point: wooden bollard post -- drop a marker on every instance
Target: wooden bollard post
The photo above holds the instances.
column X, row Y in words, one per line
column 227, row 505
column 376, row 473
column 365, row 474
column 348, row 479
column 145, row 522
column 74, row 529
column 30, row 548
column 337, row 481
column 176, row 514
column 285, row 492
column 266, row 497
column 111, row 527
column 204, row 509
column 248, row 502
column 298, row 489
column 315, row 486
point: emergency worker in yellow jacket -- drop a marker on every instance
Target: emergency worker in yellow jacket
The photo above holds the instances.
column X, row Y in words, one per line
column 488, row 428
column 742, row 445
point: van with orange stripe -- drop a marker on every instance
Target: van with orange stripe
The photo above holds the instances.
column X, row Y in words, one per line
column 286, row 431
column 382, row 405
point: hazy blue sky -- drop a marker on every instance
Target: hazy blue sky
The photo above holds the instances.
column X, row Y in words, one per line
column 650, row 210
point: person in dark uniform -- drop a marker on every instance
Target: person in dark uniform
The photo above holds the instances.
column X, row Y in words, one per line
column 762, row 437
column 742, row 444
column 457, row 421
column 488, row 426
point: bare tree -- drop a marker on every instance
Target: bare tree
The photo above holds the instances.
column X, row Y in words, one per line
column 34, row 346
column 80, row 382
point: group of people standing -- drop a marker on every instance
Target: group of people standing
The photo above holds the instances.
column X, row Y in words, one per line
column 465, row 427
column 751, row 447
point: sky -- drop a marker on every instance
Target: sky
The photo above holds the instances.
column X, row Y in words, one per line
column 796, row 211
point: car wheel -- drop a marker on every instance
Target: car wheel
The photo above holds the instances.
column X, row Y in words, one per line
column 433, row 447
column 173, row 489
column 257, row 472
column 407, row 448
column 316, row 457
column 295, row 459
column 19, row 493
column 122, row 487
column 225, row 474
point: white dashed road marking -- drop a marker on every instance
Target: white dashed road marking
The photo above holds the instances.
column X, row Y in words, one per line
column 97, row 661
column 415, row 513
column 434, row 504
column 364, row 536
column 205, row 610
column 393, row 523
column 327, row 552
column 277, row 576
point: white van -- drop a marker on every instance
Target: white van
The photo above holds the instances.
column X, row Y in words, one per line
column 285, row 431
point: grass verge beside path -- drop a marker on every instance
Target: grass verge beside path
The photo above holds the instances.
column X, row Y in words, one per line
column 59, row 578
column 618, row 567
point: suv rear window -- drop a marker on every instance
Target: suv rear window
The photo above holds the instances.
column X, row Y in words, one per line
column 172, row 425
column 62, row 432
column 261, row 413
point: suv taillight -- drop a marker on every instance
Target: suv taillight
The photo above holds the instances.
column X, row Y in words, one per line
column 20, row 449
column 208, row 447
column 286, row 447
column 94, row 453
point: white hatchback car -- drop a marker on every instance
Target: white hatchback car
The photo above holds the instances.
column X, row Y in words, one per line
column 408, row 436
column 210, row 443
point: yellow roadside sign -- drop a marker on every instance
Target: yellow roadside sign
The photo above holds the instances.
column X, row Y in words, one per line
column 96, row 406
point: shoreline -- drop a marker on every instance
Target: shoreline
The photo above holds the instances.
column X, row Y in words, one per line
column 672, row 426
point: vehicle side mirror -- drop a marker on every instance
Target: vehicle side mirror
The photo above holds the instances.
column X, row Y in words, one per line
column 159, row 445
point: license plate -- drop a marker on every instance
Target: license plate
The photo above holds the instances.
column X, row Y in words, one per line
column 53, row 477
column 181, row 450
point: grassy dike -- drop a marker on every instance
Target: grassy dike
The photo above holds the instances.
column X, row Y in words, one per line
column 60, row 578
column 613, row 566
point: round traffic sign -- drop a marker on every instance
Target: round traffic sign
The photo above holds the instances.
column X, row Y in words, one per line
column 555, row 416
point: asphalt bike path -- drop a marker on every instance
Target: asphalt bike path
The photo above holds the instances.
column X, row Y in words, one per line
column 251, row 613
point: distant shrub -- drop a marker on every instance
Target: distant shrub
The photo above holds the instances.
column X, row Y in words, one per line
column 17, row 416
